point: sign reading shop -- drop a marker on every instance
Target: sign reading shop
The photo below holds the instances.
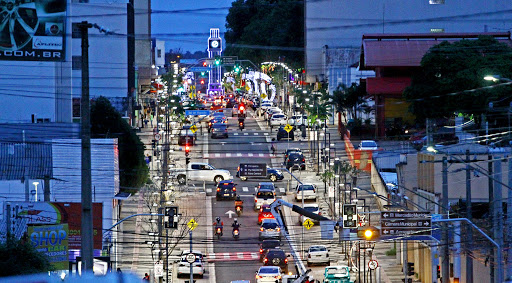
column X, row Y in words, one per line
column 39, row 31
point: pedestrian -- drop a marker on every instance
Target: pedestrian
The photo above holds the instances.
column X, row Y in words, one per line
column 119, row 270
column 146, row 277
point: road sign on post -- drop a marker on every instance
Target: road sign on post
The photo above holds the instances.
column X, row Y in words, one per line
column 228, row 60
column 395, row 223
column 253, row 170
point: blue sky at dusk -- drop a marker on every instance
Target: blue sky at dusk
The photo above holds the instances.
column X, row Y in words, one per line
column 186, row 24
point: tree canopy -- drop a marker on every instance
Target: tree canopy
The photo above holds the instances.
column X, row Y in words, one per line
column 106, row 122
column 449, row 70
column 18, row 257
column 266, row 30
column 348, row 98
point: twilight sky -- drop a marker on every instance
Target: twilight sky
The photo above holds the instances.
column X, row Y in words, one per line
column 186, row 24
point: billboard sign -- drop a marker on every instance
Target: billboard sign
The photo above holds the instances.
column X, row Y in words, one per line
column 52, row 240
column 33, row 30
column 47, row 213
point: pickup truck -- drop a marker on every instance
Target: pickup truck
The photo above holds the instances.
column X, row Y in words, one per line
column 197, row 171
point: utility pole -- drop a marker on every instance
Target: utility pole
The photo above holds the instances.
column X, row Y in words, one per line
column 469, row 231
column 446, row 252
column 87, row 230
column 491, row 214
column 509, row 218
column 498, row 214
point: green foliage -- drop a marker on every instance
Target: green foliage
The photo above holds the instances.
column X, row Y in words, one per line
column 326, row 176
column 450, row 68
column 18, row 257
column 254, row 28
column 106, row 122
column 348, row 98
column 391, row 252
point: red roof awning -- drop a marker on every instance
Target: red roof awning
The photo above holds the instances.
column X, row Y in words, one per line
column 387, row 85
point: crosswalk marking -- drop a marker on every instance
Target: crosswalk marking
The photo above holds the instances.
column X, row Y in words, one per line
column 281, row 190
column 256, row 134
column 246, row 134
column 266, row 134
column 261, row 154
column 208, row 191
column 238, row 154
column 232, row 256
column 228, row 154
column 245, row 189
column 231, row 155
column 217, row 154
column 235, row 134
column 250, row 154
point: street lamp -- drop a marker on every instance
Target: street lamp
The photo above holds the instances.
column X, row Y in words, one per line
column 35, row 184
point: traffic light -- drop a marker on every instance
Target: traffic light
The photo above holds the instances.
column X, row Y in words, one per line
column 439, row 271
column 204, row 64
column 187, row 150
column 349, row 216
column 217, row 61
column 237, row 69
column 410, row 268
column 368, row 233
column 172, row 213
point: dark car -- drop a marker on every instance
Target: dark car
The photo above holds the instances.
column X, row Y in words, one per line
column 226, row 190
column 219, row 130
column 186, row 137
column 290, row 150
column 266, row 245
column 276, row 257
column 295, row 160
column 272, row 174
column 283, row 134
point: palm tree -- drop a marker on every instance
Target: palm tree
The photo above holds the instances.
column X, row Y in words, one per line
column 348, row 99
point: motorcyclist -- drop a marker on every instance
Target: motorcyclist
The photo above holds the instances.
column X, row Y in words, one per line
column 241, row 124
column 239, row 202
column 236, row 225
column 218, row 224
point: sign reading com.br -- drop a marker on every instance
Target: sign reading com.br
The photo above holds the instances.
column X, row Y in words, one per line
column 39, row 33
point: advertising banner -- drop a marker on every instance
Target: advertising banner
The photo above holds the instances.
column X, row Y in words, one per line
column 45, row 213
column 51, row 240
column 32, row 30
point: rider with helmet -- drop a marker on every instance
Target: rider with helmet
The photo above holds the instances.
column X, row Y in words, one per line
column 236, row 225
column 218, row 224
column 239, row 202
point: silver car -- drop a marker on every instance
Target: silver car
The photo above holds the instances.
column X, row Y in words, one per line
column 269, row 230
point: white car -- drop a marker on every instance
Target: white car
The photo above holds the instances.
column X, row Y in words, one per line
column 270, row 274
column 313, row 207
column 318, row 254
column 271, row 111
column 368, row 145
column 197, row 266
column 265, row 194
column 308, row 190
column 278, row 119
column 298, row 120
column 265, row 105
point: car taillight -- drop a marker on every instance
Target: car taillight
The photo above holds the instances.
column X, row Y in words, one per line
column 285, row 260
column 218, row 189
column 266, row 260
column 255, row 200
column 303, row 160
column 258, row 277
column 277, row 277
column 278, row 229
column 261, row 251
column 261, row 229
column 234, row 189
column 218, row 230
column 238, row 168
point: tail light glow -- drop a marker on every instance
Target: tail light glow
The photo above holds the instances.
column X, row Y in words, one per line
column 261, row 229
column 218, row 189
column 278, row 229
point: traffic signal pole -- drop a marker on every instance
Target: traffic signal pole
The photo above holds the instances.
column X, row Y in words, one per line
column 444, row 239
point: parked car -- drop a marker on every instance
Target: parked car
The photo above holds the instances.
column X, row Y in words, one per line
column 313, row 207
column 271, row 274
column 318, row 254
column 276, row 257
column 226, row 190
column 306, row 190
column 269, row 229
column 283, row 134
column 219, row 130
column 295, row 160
column 272, row 174
column 368, row 145
column 265, row 194
column 264, row 213
column 268, row 244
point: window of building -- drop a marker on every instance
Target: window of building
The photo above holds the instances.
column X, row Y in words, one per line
column 159, row 53
column 437, row 30
column 434, row 2
column 76, row 63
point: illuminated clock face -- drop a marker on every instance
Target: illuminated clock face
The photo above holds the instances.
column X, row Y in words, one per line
column 215, row 43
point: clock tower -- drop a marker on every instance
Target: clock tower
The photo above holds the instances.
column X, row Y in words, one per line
column 215, row 75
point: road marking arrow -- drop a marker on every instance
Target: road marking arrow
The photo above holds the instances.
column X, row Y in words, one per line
column 230, row 213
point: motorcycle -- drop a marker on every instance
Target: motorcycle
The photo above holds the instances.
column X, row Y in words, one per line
column 236, row 234
column 241, row 125
column 239, row 210
column 218, row 231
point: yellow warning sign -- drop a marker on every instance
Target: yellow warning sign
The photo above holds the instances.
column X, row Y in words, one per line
column 288, row 128
column 192, row 224
column 193, row 128
column 308, row 224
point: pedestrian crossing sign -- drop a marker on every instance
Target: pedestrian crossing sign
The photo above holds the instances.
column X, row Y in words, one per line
column 288, row 128
column 308, row 224
column 193, row 128
column 192, row 224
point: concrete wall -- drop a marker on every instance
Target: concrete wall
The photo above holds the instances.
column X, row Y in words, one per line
column 342, row 23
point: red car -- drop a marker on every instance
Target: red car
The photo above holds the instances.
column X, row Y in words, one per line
column 264, row 213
